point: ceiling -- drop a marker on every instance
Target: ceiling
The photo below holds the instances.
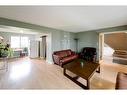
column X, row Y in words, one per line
column 68, row 18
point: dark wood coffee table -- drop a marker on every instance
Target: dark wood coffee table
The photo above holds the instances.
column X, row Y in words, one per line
column 84, row 70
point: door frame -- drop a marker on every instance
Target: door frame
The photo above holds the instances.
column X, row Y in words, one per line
column 101, row 46
column 101, row 43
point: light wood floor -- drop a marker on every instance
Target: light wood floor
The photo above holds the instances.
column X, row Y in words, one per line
column 25, row 73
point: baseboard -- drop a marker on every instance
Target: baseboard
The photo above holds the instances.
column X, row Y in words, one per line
column 33, row 57
column 50, row 62
column 42, row 57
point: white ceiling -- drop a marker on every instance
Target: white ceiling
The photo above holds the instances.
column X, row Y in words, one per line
column 68, row 18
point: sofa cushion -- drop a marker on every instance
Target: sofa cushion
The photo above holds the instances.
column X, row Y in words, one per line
column 73, row 56
column 68, row 52
column 64, row 53
column 69, row 58
column 61, row 54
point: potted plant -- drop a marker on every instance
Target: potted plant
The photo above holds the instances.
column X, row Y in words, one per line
column 5, row 50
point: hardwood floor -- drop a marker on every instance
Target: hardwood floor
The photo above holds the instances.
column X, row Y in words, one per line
column 25, row 73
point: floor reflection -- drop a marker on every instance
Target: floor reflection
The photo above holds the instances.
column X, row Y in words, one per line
column 20, row 70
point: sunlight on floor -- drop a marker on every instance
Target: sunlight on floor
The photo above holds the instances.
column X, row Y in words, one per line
column 19, row 71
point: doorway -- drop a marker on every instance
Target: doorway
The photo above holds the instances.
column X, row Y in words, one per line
column 42, row 51
column 101, row 41
column 41, row 47
column 113, row 47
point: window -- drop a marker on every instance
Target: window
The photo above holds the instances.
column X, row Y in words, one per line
column 15, row 42
column 19, row 42
column 24, row 42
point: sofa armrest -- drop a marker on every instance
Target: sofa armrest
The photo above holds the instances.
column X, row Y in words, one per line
column 121, row 81
column 73, row 53
column 56, row 59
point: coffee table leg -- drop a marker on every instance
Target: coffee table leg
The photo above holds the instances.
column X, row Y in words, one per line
column 74, row 80
column 88, row 84
column 98, row 71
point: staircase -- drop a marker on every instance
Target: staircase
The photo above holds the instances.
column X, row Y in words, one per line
column 117, row 41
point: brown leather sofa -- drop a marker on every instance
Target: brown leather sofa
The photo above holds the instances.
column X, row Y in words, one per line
column 121, row 80
column 64, row 56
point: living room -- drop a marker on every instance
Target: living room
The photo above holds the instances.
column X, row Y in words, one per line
column 62, row 25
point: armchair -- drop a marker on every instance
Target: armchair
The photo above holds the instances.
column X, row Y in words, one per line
column 88, row 54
